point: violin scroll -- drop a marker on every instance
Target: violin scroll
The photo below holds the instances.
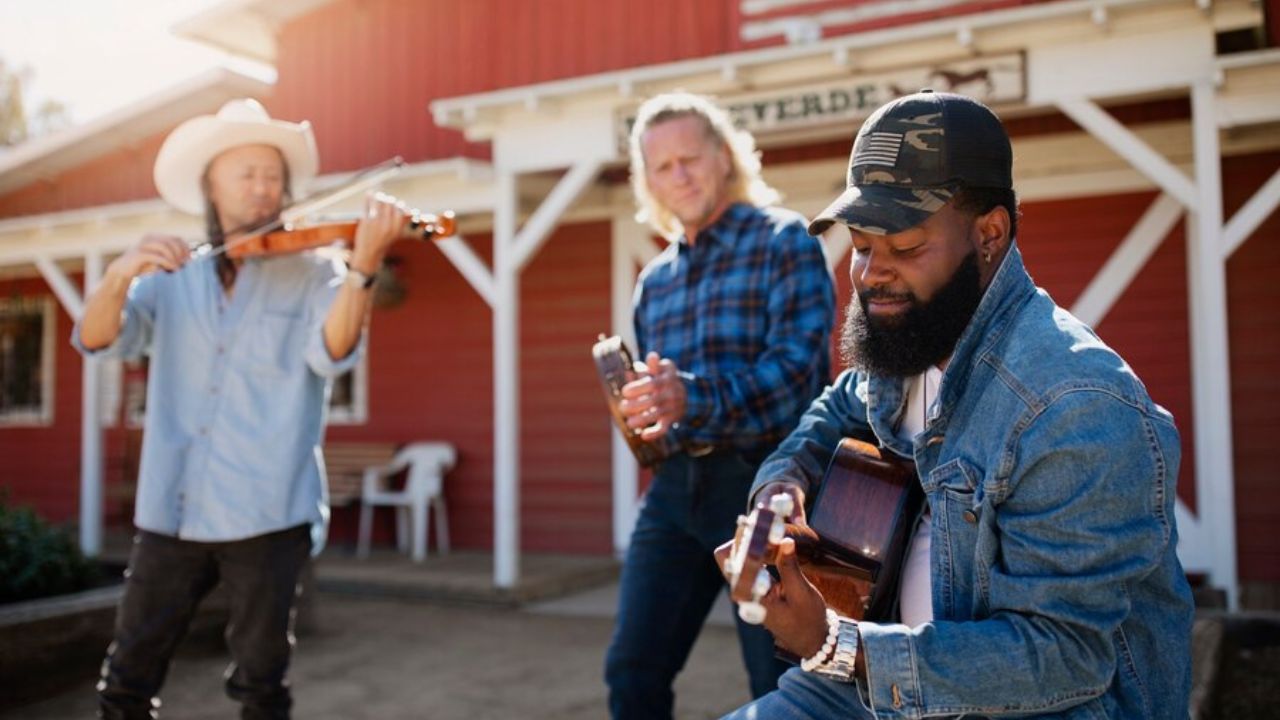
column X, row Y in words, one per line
column 433, row 227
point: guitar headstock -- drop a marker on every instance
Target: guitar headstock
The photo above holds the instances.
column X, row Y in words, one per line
column 755, row 546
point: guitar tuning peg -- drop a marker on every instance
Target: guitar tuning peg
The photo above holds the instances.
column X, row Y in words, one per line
column 752, row 613
column 782, row 504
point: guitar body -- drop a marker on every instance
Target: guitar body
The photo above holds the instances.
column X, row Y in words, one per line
column 860, row 526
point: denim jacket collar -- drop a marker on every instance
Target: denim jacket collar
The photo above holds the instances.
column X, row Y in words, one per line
column 1010, row 287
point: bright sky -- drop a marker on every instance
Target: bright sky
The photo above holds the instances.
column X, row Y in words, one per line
column 95, row 56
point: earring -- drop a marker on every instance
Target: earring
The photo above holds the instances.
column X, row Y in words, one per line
column 986, row 256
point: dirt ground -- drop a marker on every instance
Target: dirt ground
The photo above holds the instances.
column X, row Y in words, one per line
column 390, row 659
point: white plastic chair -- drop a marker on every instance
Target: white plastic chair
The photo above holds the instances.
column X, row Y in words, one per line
column 426, row 462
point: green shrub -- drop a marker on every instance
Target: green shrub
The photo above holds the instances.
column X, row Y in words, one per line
column 37, row 560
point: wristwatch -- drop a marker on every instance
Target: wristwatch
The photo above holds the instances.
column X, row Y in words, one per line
column 845, row 654
column 358, row 280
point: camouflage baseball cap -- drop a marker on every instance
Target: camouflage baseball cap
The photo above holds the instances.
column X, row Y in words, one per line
column 910, row 157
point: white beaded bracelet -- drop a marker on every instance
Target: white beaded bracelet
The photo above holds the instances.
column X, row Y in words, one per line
column 824, row 653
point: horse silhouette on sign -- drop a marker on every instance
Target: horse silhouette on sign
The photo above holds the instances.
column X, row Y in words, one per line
column 955, row 81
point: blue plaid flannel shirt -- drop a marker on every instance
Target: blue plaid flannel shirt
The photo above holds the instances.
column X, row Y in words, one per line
column 746, row 314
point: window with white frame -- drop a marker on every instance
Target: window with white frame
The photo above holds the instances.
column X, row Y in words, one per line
column 349, row 395
column 26, row 360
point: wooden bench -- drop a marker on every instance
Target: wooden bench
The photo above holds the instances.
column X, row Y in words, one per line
column 345, row 462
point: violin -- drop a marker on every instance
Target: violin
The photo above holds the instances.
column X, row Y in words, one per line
column 287, row 234
column 290, row 239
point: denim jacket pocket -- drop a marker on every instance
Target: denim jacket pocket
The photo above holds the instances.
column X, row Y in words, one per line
column 955, row 497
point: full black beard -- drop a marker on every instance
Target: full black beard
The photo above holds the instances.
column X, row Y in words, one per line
column 925, row 335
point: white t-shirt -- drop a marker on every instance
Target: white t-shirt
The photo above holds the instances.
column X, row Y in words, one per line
column 915, row 595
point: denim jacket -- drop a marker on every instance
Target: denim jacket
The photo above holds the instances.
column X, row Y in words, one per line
column 1051, row 477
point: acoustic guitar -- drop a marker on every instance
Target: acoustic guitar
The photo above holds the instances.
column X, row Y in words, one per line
column 855, row 542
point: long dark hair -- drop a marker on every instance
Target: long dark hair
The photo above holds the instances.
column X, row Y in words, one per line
column 213, row 230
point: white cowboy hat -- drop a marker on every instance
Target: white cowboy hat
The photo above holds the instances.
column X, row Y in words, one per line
column 195, row 143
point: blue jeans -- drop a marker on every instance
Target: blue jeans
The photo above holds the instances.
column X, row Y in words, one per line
column 670, row 581
column 167, row 579
column 805, row 696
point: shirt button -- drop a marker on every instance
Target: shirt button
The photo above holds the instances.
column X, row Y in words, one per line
column 220, row 349
column 204, row 431
column 970, row 516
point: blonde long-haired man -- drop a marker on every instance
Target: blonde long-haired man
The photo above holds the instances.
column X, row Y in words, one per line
column 230, row 489
column 734, row 318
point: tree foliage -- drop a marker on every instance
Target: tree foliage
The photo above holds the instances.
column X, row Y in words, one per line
column 37, row 560
column 13, row 113
column 17, row 123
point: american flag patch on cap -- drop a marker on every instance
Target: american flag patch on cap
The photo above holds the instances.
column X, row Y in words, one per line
column 879, row 148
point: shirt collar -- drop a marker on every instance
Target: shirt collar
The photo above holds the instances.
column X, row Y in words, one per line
column 723, row 229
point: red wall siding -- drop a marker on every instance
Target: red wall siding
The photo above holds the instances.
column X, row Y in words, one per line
column 431, row 378
column 815, row 8
column 1271, row 11
column 40, row 465
column 566, row 474
column 1253, row 296
column 364, row 73
column 118, row 176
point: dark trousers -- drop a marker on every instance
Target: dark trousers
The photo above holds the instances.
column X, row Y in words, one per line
column 670, row 581
column 167, row 578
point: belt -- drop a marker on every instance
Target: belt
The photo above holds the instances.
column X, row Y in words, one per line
column 697, row 450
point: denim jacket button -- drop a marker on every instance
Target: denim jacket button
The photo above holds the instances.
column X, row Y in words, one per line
column 970, row 516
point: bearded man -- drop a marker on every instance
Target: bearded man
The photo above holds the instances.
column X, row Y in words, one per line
column 1042, row 578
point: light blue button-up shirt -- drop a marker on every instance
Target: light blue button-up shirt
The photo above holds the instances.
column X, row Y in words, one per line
column 237, row 392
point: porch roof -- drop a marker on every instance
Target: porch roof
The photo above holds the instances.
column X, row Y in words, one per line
column 47, row 156
column 970, row 35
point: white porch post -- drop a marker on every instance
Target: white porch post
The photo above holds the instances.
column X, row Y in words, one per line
column 511, row 252
column 90, row 421
column 625, row 469
column 90, row 433
column 506, row 386
column 1210, row 362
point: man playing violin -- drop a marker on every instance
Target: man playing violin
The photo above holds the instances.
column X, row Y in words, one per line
column 1043, row 578
column 735, row 316
column 231, row 486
